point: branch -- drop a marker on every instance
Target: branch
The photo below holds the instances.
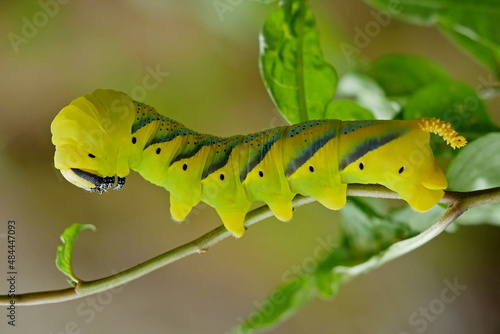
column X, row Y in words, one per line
column 459, row 203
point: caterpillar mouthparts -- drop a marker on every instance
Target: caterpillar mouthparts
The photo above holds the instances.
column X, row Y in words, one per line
column 92, row 182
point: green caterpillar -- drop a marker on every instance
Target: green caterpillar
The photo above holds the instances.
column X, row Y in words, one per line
column 102, row 135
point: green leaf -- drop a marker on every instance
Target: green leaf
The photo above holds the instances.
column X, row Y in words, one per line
column 477, row 32
column 365, row 91
column 477, row 46
column 476, row 167
column 65, row 250
column 385, row 85
column 366, row 233
column 292, row 66
column 486, row 214
column 368, row 229
column 346, row 110
column 401, row 75
column 453, row 102
column 472, row 24
column 282, row 303
column 418, row 221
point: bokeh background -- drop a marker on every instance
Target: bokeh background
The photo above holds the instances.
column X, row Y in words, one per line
column 210, row 82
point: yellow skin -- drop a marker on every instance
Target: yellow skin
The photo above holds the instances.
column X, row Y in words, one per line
column 411, row 172
column 102, row 135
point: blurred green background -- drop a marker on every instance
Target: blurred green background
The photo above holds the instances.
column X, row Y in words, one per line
column 210, row 82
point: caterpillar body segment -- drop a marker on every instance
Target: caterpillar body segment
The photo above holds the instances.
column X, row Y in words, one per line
column 104, row 134
column 403, row 162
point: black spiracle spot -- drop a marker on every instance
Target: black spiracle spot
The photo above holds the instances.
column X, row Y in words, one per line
column 311, row 169
column 401, row 170
column 158, row 150
column 222, row 177
column 134, row 140
column 261, row 173
column 184, row 167
column 91, row 155
column 361, row 166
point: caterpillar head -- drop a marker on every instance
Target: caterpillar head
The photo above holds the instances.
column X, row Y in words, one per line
column 405, row 165
column 92, row 139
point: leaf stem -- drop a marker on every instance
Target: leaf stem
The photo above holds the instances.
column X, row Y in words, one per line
column 459, row 203
column 300, row 63
column 405, row 246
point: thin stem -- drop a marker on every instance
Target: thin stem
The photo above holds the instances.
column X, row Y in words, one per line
column 459, row 201
column 300, row 63
column 405, row 246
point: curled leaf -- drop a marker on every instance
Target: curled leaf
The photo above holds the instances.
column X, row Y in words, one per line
column 65, row 250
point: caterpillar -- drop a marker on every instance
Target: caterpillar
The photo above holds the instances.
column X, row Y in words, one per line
column 101, row 136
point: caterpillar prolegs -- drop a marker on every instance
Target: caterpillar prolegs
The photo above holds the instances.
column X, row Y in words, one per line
column 100, row 136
